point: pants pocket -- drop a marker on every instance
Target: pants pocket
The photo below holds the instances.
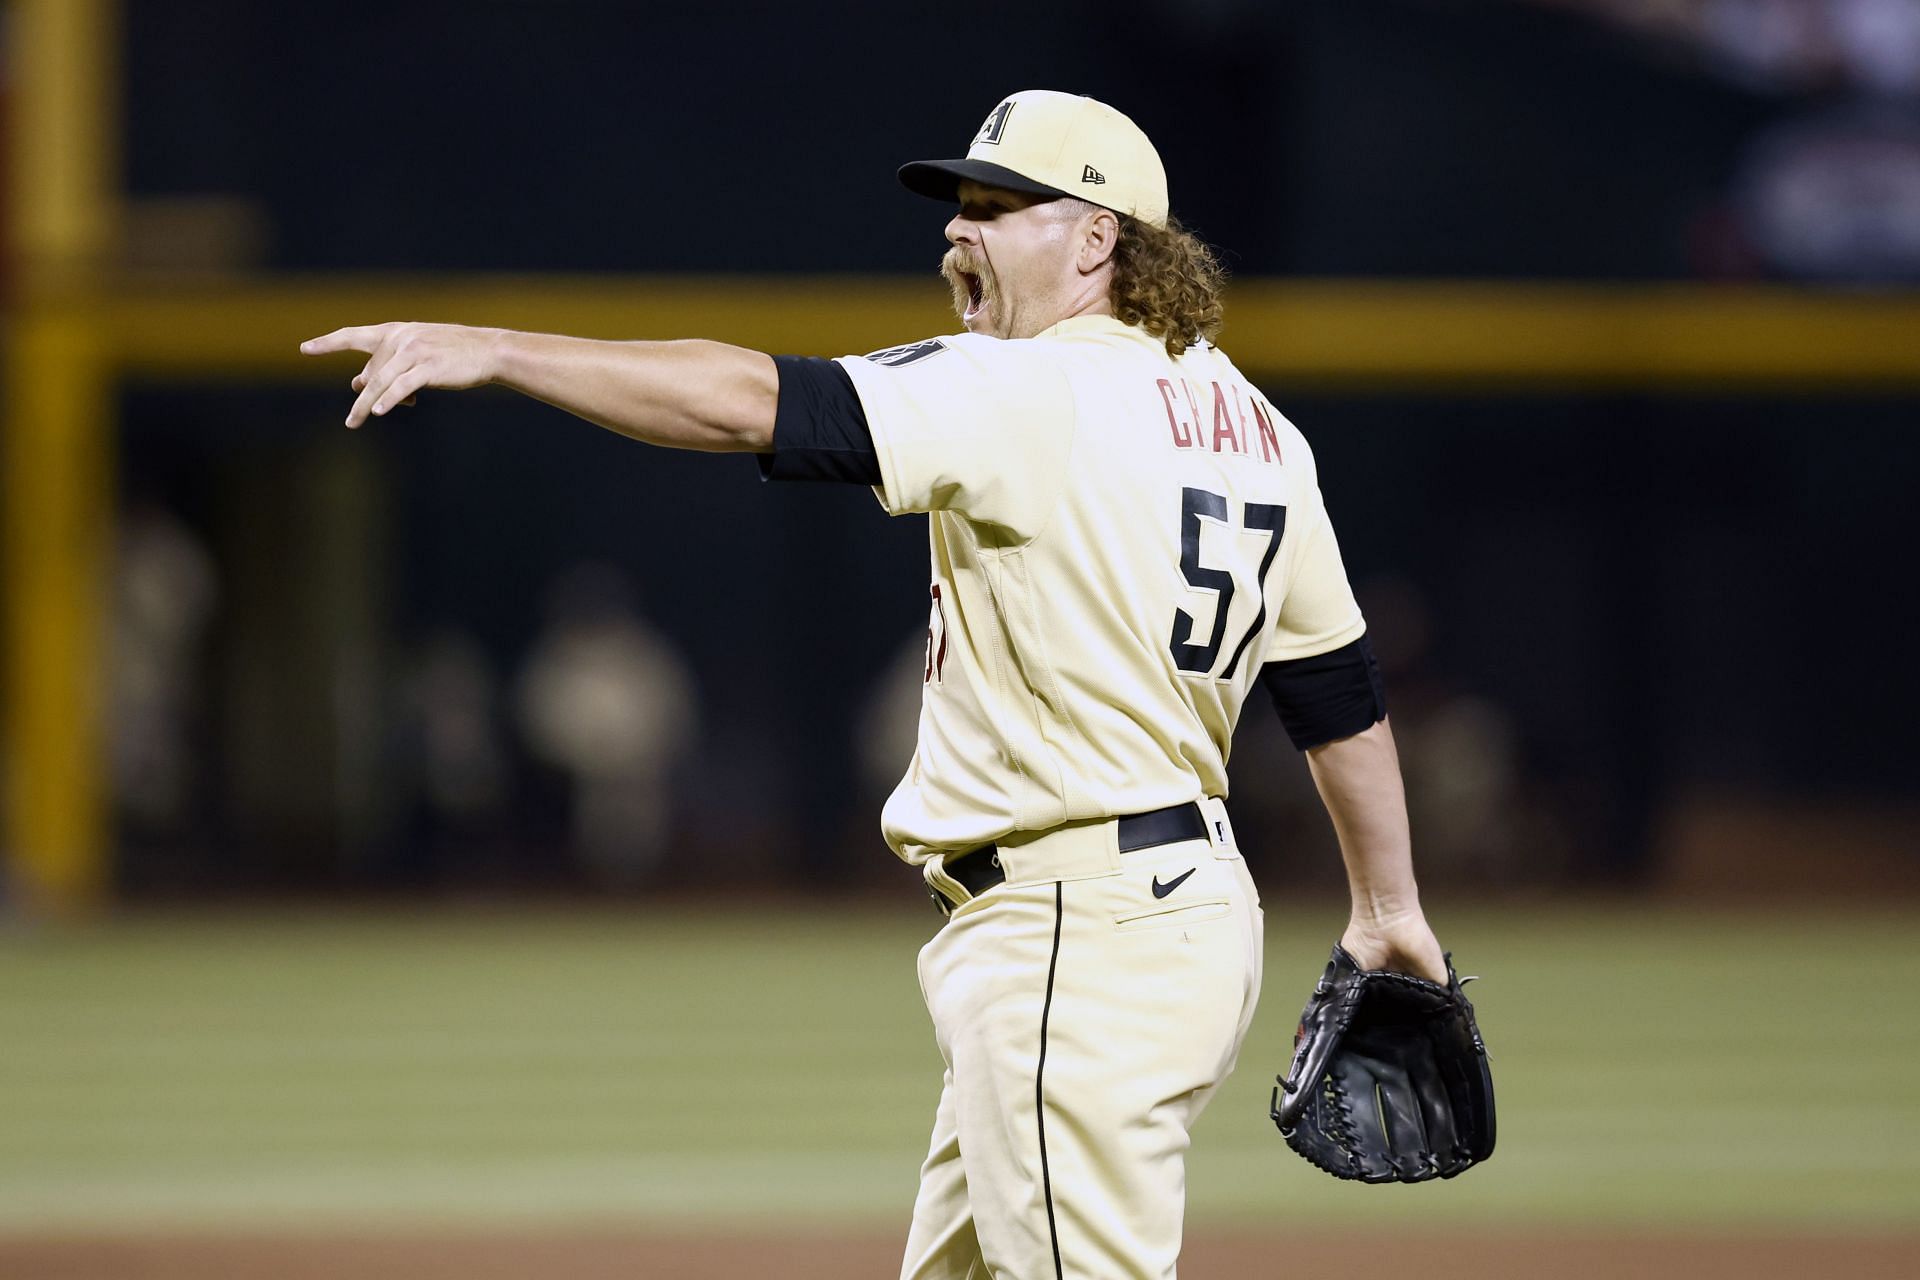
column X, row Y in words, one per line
column 1170, row 917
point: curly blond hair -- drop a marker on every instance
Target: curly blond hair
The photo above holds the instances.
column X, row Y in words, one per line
column 1168, row 282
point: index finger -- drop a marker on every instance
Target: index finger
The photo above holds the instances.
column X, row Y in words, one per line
column 353, row 338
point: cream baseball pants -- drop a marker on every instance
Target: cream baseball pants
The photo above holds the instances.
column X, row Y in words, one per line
column 1086, row 1010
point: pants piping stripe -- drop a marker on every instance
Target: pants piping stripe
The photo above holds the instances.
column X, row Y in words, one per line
column 1039, row 1081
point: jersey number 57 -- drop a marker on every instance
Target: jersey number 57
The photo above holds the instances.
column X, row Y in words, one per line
column 1203, row 504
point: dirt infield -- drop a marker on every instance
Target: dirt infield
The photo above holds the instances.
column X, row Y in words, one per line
column 605, row 1256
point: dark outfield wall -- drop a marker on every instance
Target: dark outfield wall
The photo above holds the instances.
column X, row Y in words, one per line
column 1403, row 137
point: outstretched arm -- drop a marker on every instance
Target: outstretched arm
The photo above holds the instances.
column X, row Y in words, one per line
column 684, row 395
column 1359, row 782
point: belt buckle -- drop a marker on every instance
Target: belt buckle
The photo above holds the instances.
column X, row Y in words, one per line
column 940, row 902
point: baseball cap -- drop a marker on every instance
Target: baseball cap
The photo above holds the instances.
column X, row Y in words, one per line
column 1055, row 144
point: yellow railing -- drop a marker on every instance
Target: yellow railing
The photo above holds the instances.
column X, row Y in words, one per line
column 1360, row 335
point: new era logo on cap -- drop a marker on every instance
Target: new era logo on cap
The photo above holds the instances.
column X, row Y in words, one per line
column 1091, row 174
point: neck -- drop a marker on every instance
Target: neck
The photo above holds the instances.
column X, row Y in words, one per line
column 1089, row 300
column 1095, row 298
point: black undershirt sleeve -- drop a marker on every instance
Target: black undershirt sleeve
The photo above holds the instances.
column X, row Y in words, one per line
column 1328, row 696
column 819, row 428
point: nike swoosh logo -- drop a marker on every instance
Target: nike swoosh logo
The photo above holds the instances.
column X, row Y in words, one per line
column 1162, row 890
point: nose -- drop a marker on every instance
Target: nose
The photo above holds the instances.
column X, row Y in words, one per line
column 962, row 230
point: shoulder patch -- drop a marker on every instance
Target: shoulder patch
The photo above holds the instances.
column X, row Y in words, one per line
column 894, row 357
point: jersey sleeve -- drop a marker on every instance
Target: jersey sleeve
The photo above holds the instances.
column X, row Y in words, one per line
column 968, row 424
column 1319, row 612
column 819, row 429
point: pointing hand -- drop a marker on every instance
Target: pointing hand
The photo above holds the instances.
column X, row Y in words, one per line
column 407, row 357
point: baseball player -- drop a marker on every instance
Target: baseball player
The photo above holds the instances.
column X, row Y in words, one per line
column 1126, row 539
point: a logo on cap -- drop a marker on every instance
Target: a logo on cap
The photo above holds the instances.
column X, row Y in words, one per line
column 996, row 124
column 1093, row 175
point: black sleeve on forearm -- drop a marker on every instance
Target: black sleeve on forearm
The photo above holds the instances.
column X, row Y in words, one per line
column 1328, row 696
column 819, row 428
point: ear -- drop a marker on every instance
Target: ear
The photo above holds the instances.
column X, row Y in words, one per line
column 1099, row 237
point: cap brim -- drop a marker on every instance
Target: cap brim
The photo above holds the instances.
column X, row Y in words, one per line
column 940, row 179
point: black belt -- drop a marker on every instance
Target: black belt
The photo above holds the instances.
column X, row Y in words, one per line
column 978, row 870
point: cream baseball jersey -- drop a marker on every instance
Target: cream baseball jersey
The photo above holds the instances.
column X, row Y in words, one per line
column 1120, row 540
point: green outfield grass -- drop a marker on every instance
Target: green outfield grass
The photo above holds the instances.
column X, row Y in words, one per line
column 1654, row 1067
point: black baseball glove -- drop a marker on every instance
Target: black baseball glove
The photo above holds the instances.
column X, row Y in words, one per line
column 1389, row 1080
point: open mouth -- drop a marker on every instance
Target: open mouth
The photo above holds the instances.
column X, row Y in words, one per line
column 971, row 293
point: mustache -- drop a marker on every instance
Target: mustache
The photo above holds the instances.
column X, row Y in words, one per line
column 955, row 263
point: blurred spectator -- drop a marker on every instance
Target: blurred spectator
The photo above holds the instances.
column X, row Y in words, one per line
column 604, row 698
column 165, row 589
column 451, row 694
column 1459, row 755
column 1835, row 195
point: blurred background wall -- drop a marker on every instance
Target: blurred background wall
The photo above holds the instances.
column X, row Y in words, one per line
column 1599, row 315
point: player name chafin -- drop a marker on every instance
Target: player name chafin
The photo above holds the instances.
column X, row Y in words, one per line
column 1216, row 418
